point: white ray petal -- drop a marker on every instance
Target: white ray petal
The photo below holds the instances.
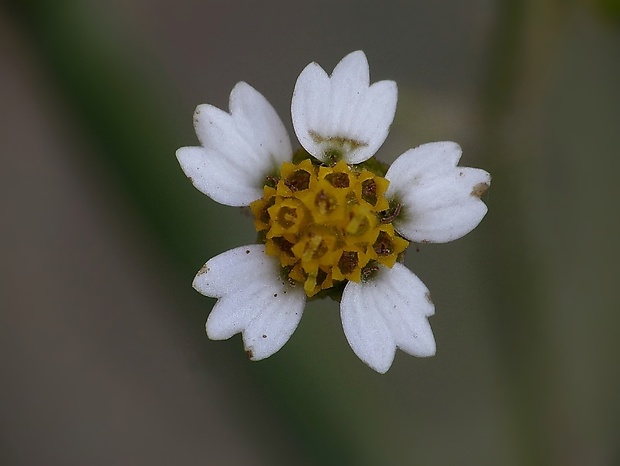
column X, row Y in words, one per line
column 388, row 311
column 440, row 201
column 253, row 300
column 239, row 149
column 342, row 116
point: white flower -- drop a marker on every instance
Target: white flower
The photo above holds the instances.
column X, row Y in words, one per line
column 329, row 225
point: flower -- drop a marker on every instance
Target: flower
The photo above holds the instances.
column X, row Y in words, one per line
column 330, row 219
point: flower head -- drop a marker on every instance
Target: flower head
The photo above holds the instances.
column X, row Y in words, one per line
column 331, row 220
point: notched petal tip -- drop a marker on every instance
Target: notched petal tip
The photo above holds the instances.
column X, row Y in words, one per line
column 202, row 108
column 201, row 282
column 381, row 369
column 353, row 65
column 358, row 55
column 241, row 87
column 203, row 271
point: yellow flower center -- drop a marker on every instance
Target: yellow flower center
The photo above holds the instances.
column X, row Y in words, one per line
column 327, row 224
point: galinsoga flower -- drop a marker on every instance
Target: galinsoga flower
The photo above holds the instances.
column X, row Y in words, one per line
column 330, row 219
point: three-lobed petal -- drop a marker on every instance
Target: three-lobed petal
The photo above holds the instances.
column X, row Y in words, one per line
column 440, row 201
column 238, row 149
column 387, row 312
column 342, row 116
column 252, row 299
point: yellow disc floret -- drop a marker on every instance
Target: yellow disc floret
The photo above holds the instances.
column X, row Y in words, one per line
column 327, row 224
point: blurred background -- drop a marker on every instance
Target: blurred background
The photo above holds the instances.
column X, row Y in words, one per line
column 103, row 355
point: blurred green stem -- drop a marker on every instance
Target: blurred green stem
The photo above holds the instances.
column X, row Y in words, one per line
column 525, row 36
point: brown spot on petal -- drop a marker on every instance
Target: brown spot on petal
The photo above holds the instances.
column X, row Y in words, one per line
column 479, row 190
column 428, row 297
column 203, row 269
column 249, row 353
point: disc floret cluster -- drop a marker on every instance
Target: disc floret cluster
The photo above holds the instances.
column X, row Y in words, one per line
column 327, row 224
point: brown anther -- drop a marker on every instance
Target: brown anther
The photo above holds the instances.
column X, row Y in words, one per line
column 348, row 262
column 369, row 191
column 284, row 245
column 390, row 215
column 298, row 181
column 368, row 271
column 384, row 245
column 321, row 276
column 264, row 213
column 338, row 180
column 271, row 181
